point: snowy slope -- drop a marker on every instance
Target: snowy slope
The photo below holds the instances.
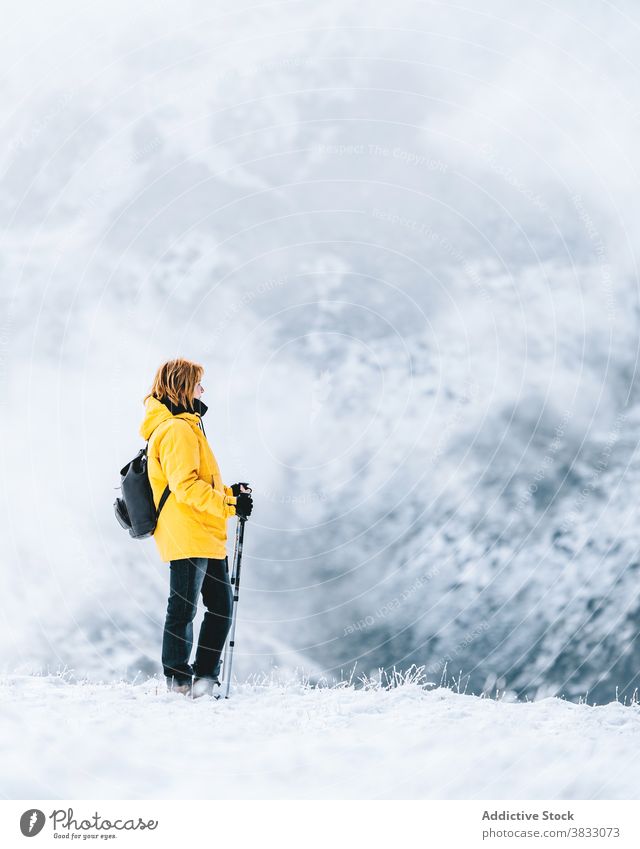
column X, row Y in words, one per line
column 287, row 740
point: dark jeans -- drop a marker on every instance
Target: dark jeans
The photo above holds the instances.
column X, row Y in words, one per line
column 188, row 578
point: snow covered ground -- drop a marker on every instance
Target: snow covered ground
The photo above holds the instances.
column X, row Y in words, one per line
column 287, row 740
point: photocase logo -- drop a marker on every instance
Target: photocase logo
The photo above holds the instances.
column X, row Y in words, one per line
column 63, row 820
column 32, row 822
column 320, row 392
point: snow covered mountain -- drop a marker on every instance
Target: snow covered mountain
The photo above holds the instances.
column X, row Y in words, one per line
column 402, row 242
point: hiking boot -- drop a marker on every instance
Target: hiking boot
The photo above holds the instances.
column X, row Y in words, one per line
column 176, row 685
column 204, row 686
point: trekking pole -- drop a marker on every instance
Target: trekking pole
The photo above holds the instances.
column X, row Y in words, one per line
column 235, row 583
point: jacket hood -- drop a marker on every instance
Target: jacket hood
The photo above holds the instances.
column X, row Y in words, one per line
column 156, row 413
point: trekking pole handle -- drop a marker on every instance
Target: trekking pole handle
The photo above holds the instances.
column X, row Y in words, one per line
column 246, row 490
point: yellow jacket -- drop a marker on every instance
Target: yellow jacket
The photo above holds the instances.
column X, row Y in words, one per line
column 193, row 520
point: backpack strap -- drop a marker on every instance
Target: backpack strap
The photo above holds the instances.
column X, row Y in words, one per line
column 167, row 491
column 163, row 498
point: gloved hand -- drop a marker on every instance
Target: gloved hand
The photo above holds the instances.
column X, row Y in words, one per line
column 236, row 488
column 244, row 504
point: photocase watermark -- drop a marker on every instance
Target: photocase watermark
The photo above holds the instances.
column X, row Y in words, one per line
column 66, row 826
column 110, row 180
column 220, row 83
column 32, row 822
column 240, row 304
column 6, row 340
column 502, row 170
column 547, row 461
column 469, row 638
column 386, row 609
column 427, row 232
column 309, row 497
column 77, row 554
column 242, row 71
column 409, row 157
column 599, row 467
column 320, row 393
column 469, row 395
column 25, row 140
column 600, row 252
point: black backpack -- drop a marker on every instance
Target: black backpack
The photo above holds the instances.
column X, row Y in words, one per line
column 136, row 510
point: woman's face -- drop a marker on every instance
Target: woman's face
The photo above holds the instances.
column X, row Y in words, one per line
column 198, row 390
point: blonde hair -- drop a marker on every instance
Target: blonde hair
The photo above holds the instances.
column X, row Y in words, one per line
column 177, row 381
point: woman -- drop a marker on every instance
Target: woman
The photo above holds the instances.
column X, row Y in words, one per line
column 191, row 533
